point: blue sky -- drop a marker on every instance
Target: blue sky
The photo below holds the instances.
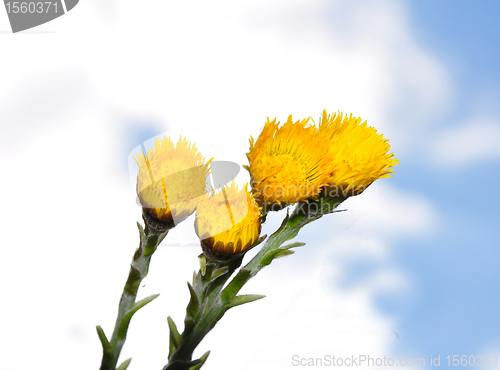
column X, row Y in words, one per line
column 454, row 309
column 465, row 35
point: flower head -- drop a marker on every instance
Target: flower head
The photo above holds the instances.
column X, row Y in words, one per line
column 228, row 222
column 285, row 163
column 171, row 178
column 358, row 154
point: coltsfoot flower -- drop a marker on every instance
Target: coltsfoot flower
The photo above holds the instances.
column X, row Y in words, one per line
column 358, row 154
column 228, row 222
column 286, row 163
column 171, row 179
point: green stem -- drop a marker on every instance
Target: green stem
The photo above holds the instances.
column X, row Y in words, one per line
column 150, row 238
column 209, row 301
column 203, row 305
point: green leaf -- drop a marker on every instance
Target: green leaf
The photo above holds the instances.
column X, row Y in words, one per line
column 151, row 245
column 219, row 272
column 106, row 347
column 188, row 324
column 268, row 257
column 124, row 364
column 292, row 245
column 194, row 303
column 202, row 361
column 235, row 285
column 282, row 253
column 141, row 230
column 312, row 219
column 242, row 299
column 206, row 306
column 122, row 329
column 175, row 337
column 293, row 234
column 328, row 204
column 208, row 273
column 162, row 236
column 279, row 252
column 133, row 281
column 180, row 364
column 295, row 220
column 283, row 224
column 203, row 264
column 138, row 253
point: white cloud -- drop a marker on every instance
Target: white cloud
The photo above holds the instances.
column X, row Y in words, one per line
column 472, row 142
column 203, row 67
column 304, row 313
column 386, row 211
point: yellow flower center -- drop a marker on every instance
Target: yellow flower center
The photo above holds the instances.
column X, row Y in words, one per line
column 286, row 177
column 285, row 162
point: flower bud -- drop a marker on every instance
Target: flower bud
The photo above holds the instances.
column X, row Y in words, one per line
column 228, row 223
column 171, row 180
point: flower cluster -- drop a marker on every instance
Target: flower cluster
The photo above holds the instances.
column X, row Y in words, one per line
column 171, row 186
column 297, row 161
column 315, row 165
column 294, row 162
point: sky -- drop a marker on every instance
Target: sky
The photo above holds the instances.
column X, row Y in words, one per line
column 408, row 271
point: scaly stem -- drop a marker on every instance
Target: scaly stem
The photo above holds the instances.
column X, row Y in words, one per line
column 150, row 238
column 207, row 284
column 209, row 301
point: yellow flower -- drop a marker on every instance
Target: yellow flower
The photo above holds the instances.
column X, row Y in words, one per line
column 285, row 163
column 228, row 222
column 171, row 178
column 359, row 155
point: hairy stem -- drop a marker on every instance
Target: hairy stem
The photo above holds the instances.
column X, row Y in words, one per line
column 209, row 301
column 150, row 238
